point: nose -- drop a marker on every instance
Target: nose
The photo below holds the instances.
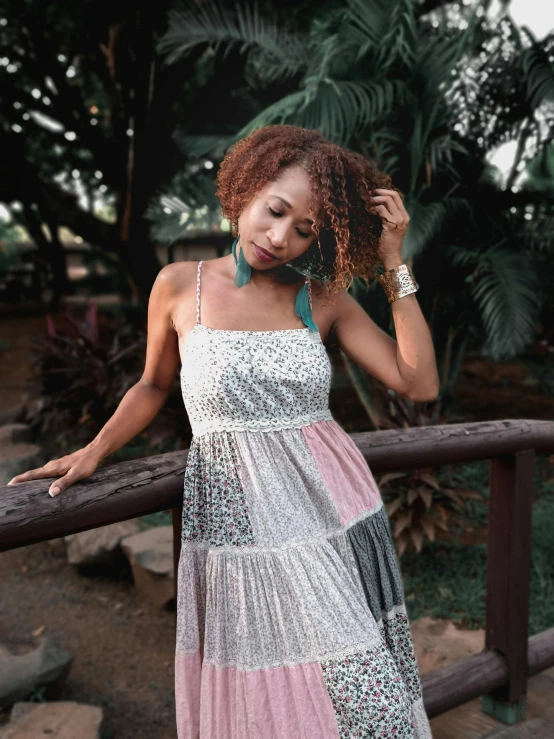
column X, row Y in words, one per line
column 277, row 235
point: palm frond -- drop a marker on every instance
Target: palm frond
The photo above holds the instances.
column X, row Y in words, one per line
column 540, row 171
column 187, row 204
column 201, row 146
column 401, row 39
column 282, row 111
column 370, row 17
column 460, row 256
column 388, row 29
column 426, row 222
column 538, row 71
column 326, row 47
column 336, row 108
column 386, row 143
column 439, row 152
column 215, row 25
column 507, row 293
column 436, row 58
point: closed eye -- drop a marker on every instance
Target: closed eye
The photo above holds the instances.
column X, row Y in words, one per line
column 278, row 214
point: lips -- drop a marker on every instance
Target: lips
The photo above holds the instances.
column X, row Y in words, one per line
column 266, row 252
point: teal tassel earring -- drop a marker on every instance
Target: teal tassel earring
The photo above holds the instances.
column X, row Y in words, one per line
column 244, row 270
column 303, row 308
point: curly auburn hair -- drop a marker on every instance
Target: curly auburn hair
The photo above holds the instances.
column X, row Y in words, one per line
column 344, row 226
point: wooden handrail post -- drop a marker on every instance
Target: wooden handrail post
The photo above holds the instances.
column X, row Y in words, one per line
column 508, row 574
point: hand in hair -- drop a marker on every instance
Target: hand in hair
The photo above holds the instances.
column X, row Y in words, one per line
column 389, row 206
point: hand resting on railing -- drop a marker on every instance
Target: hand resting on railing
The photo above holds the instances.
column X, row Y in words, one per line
column 140, row 404
column 143, row 401
column 73, row 467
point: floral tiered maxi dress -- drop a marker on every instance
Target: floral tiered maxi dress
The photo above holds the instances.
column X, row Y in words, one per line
column 290, row 611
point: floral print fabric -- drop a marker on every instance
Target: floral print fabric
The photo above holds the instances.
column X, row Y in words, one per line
column 290, row 608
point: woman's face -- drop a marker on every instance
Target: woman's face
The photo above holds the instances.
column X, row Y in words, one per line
column 279, row 220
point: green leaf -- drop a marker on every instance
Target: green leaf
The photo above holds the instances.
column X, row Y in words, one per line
column 427, row 221
column 507, row 294
column 243, row 26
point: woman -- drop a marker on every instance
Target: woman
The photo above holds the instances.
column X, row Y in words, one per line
column 290, row 619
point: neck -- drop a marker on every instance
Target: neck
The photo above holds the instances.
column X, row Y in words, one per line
column 275, row 277
column 270, row 278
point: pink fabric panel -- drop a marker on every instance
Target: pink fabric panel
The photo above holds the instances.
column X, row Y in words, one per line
column 188, row 672
column 276, row 703
column 343, row 469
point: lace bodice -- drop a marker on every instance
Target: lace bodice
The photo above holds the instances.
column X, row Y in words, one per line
column 253, row 380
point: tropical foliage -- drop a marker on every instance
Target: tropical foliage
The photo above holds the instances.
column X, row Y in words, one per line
column 428, row 90
column 428, row 99
column 420, row 504
column 83, row 367
column 86, row 121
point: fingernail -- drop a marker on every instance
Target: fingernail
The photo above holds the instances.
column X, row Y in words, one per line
column 54, row 491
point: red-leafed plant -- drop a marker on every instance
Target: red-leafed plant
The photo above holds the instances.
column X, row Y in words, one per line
column 82, row 369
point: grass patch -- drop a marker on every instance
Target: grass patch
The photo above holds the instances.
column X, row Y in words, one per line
column 541, row 613
column 160, row 518
column 449, row 581
column 475, row 476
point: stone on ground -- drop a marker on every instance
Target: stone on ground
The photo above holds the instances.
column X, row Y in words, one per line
column 150, row 554
column 100, row 546
column 26, row 665
column 61, row 720
column 14, row 433
column 18, row 458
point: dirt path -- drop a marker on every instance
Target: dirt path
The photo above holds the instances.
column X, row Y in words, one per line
column 123, row 648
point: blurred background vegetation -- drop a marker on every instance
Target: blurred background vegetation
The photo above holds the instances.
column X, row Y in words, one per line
column 114, row 118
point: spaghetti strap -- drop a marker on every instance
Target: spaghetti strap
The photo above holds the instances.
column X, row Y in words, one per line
column 198, row 291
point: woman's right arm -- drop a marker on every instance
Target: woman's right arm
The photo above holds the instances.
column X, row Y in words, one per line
column 142, row 402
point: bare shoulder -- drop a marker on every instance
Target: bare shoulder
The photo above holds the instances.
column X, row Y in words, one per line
column 346, row 311
column 324, row 308
column 181, row 275
column 172, row 293
column 177, row 276
column 182, row 284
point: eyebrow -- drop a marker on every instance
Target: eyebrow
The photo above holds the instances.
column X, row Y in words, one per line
column 285, row 202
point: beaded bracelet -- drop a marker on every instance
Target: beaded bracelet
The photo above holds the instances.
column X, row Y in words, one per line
column 398, row 282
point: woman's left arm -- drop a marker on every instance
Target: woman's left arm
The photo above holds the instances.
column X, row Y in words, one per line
column 407, row 365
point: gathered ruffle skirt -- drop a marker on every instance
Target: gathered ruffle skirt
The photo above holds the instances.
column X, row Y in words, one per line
column 291, row 617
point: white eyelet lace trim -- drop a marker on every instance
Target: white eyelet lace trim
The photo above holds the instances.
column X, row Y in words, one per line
column 314, row 657
column 260, row 424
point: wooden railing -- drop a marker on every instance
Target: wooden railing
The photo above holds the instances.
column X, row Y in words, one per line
column 499, row 673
